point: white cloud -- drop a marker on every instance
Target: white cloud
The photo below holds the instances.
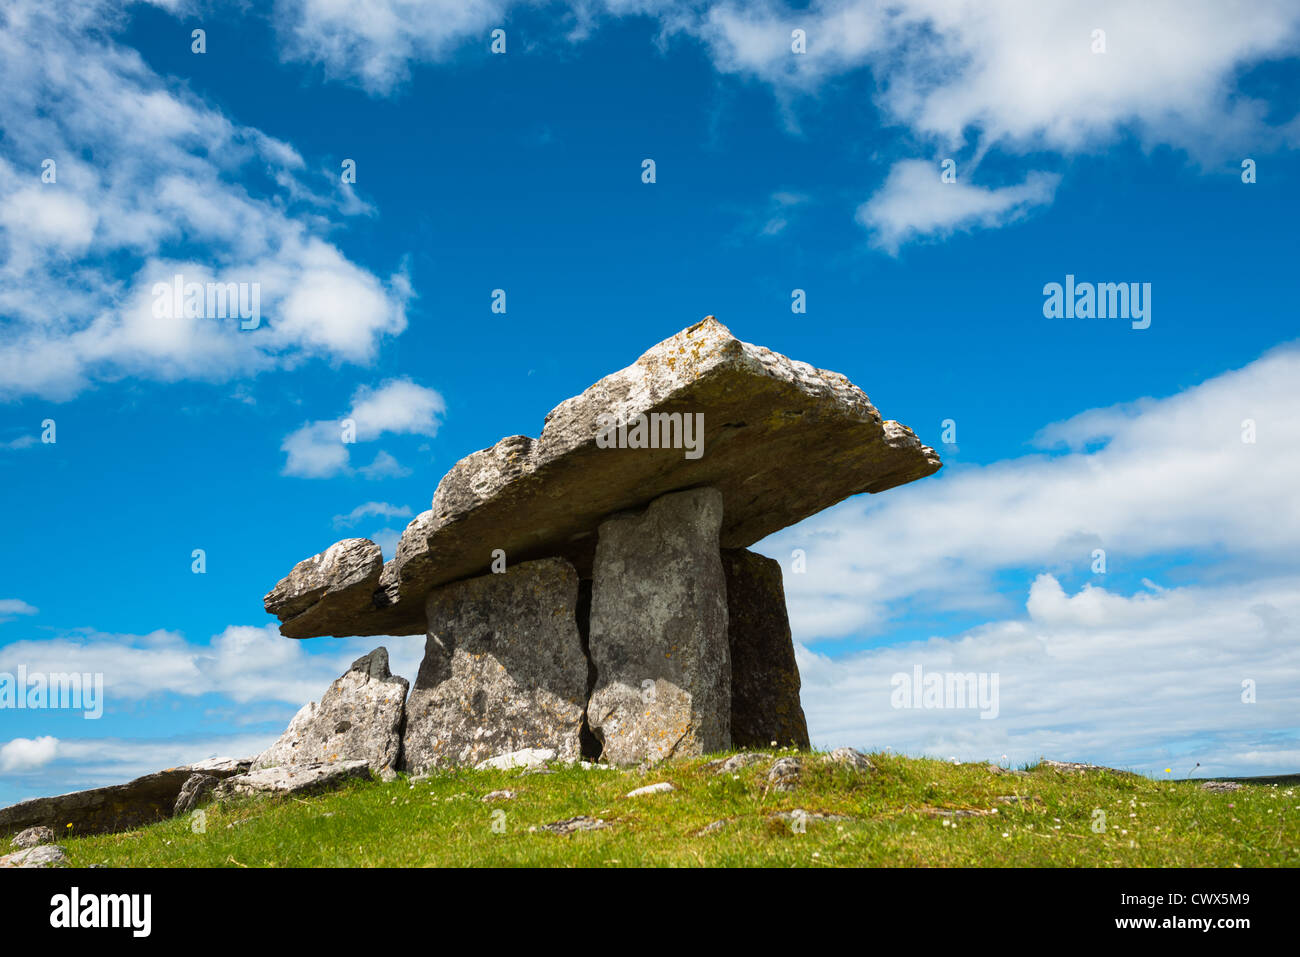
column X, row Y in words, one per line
column 965, row 76
column 9, row 607
column 384, row 466
column 79, row 256
column 1147, row 681
column 1160, row 477
column 397, row 406
column 244, row 663
column 915, row 202
column 376, row 49
column 27, row 754
column 372, row 508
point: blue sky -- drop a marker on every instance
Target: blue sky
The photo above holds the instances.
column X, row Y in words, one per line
column 775, row 171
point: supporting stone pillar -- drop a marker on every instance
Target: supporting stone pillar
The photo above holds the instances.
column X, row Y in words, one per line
column 765, row 706
column 658, row 634
column 503, row 669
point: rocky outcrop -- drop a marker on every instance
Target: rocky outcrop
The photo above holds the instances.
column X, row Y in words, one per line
column 503, row 670
column 658, row 636
column 33, row 837
column 118, row 807
column 359, row 718
column 765, row 707
column 297, row 780
column 779, row 440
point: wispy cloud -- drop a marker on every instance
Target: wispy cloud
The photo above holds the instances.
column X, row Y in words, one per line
column 83, row 244
column 371, row 508
column 1156, row 679
column 10, row 607
column 321, row 449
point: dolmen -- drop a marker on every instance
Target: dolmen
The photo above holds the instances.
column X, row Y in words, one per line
column 590, row 595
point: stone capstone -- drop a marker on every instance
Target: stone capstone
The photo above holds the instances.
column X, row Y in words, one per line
column 658, row 632
column 779, row 440
column 359, row 718
column 765, row 707
column 503, row 671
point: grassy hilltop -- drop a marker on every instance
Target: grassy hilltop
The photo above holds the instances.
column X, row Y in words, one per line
column 906, row 813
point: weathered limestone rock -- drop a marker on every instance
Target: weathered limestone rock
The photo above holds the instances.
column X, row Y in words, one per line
column 503, row 670
column 118, row 807
column 850, row 758
column 359, row 718
column 736, row 762
column 525, row 758
column 301, row 779
column 33, row 837
column 196, row 790
column 44, row 855
column 784, row 774
column 658, row 636
column 765, row 708
column 339, row 583
column 781, row 440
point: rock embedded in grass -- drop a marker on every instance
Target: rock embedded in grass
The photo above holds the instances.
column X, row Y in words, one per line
column 784, row 774
column 573, row 824
column 799, row 814
column 849, row 758
column 43, row 855
column 33, row 837
column 736, row 762
column 663, row 787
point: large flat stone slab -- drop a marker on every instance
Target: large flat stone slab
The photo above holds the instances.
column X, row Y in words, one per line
column 658, row 634
column 765, row 707
column 503, row 670
column 359, row 718
column 781, row 440
column 118, row 807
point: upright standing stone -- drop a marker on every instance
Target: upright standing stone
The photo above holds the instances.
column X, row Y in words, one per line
column 503, row 669
column 765, row 706
column 359, row 718
column 658, row 635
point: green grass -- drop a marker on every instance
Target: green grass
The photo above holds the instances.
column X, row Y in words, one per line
column 442, row 821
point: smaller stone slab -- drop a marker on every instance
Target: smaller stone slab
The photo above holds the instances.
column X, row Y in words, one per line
column 503, row 670
column 658, row 636
column 303, row 779
column 118, row 807
column 359, row 718
column 765, row 706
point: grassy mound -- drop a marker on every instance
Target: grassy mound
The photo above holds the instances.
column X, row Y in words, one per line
column 906, row 813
